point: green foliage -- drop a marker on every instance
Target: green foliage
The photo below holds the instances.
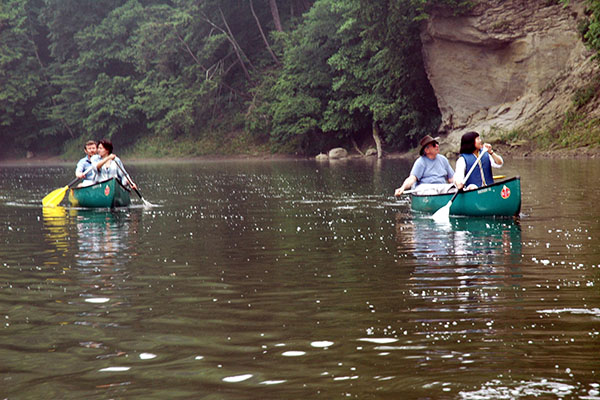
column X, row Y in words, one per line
column 19, row 77
column 348, row 66
column 185, row 73
column 592, row 33
column 586, row 93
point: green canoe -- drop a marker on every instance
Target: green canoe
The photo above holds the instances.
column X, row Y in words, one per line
column 108, row 194
column 503, row 198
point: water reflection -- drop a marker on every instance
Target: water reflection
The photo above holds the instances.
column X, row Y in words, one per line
column 297, row 280
column 464, row 275
column 463, row 241
column 56, row 230
column 103, row 237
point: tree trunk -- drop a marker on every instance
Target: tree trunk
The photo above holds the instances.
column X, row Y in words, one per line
column 356, row 147
column 45, row 78
column 263, row 34
column 377, row 139
column 275, row 13
column 236, row 47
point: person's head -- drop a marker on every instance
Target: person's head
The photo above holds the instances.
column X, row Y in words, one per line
column 90, row 148
column 105, row 148
column 470, row 142
column 429, row 147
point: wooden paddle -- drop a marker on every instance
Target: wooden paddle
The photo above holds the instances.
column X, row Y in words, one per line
column 443, row 214
column 53, row 198
column 146, row 203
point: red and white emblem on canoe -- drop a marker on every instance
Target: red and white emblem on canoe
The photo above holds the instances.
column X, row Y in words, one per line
column 505, row 193
column 107, row 190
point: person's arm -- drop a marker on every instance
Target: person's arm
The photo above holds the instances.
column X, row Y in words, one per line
column 459, row 175
column 122, row 171
column 449, row 171
column 79, row 170
column 408, row 182
column 496, row 159
column 104, row 161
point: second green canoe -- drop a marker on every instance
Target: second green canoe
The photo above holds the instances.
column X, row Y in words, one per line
column 501, row 199
column 108, row 194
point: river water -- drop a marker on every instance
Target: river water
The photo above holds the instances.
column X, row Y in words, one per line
column 298, row 280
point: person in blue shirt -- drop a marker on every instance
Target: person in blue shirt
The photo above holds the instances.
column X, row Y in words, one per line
column 431, row 173
column 87, row 163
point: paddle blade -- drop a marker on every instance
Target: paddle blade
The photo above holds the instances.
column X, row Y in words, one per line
column 147, row 204
column 53, row 198
column 443, row 214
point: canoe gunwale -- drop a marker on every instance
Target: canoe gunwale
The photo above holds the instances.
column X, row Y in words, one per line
column 76, row 188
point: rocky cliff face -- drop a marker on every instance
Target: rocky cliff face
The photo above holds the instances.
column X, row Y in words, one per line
column 506, row 64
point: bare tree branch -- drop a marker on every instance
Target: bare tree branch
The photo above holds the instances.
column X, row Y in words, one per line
column 231, row 40
column 263, row 34
column 275, row 14
column 190, row 52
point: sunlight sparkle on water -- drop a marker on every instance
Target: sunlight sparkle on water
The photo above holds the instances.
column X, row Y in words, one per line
column 237, row 378
column 97, row 300
column 293, row 353
column 115, row 369
column 323, row 343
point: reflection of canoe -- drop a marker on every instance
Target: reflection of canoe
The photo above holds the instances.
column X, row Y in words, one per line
column 499, row 199
column 110, row 193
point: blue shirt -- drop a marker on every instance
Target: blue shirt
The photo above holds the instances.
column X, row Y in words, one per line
column 427, row 170
column 84, row 164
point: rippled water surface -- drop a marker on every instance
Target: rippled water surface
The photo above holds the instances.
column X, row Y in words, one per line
column 297, row 280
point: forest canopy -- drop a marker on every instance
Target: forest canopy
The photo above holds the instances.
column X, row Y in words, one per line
column 297, row 76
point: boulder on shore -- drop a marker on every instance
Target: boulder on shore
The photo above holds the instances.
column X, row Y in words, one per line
column 337, row 153
column 371, row 152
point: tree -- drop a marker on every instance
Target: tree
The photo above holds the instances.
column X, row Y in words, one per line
column 20, row 77
column 351, row 67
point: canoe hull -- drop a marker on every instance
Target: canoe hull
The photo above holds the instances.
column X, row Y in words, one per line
column 501, row 199
column 108, row 194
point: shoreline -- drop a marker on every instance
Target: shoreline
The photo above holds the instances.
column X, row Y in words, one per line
column 505, row 150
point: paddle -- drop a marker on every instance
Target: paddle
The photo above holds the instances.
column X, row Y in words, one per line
column 53, row 198
column 146, row 203
column 443, row 214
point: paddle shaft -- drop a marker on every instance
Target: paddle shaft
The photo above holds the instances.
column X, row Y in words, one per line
column 444, row 212
column 129, row 179
column 84, row 174
column 53, row 198
column 468, row 175
column 483, row 150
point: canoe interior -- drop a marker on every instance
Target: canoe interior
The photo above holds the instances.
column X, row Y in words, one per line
column 503, row 198
column 110, row 193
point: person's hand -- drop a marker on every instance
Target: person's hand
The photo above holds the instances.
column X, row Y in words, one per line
column 399, row 191
column 488, row 148
column 459, row 185
column 80, row 175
